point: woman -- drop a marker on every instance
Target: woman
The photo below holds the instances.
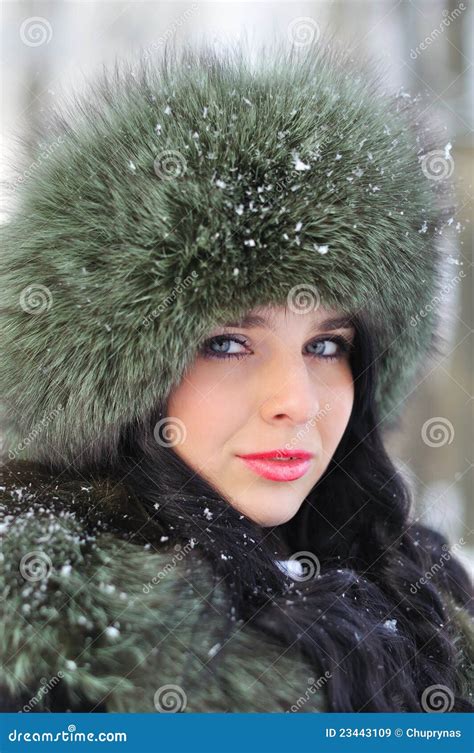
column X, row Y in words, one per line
column 213, row 262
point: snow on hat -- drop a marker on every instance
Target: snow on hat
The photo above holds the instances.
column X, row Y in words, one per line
column 173, row 194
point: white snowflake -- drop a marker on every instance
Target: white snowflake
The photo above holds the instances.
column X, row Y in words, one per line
column 321, row 249
column 112, row 632
column 299, row 164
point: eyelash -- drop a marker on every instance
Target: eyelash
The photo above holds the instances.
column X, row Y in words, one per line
column 345, row 346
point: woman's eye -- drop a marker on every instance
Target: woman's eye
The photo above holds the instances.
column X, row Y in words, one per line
column 331, row 348
column 326, row 348
column 230, row 347
column 222, row 348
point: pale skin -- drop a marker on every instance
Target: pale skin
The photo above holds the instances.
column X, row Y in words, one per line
column 284, row 392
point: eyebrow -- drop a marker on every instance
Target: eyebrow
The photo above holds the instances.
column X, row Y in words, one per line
column 344, row 321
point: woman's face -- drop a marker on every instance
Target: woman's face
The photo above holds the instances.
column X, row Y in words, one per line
column 281, row 383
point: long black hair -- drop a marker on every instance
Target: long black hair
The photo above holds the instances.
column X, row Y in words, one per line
column 367, row 617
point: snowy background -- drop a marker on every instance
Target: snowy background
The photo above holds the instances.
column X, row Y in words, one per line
column 424, row 46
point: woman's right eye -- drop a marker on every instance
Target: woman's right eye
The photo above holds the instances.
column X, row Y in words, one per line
column 222, row 349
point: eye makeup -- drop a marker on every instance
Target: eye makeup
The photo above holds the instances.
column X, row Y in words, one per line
column 344, row 345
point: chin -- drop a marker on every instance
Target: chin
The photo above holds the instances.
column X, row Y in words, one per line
column 273, row 517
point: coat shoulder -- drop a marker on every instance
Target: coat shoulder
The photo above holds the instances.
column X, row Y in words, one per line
column 97, row 616
column 461, row 623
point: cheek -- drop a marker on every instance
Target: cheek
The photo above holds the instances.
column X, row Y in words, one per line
column 336, row 408
column 208, row 414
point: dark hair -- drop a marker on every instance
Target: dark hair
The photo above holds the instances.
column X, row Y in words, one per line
column 371, row 558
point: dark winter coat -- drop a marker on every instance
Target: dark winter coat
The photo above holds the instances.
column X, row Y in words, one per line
column 97, row 614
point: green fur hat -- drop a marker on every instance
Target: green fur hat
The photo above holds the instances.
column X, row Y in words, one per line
column 172, row 194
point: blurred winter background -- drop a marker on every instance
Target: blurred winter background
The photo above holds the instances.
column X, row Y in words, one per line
column 425, row 46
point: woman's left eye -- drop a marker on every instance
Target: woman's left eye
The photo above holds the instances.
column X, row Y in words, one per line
column 328, row 348
column 325, row 351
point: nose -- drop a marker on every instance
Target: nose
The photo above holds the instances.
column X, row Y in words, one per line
column 288, row 392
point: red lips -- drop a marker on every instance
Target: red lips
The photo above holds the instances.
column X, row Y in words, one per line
column 293, row 465
column 300, row 454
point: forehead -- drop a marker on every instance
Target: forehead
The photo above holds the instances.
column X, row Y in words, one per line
column 270, row 316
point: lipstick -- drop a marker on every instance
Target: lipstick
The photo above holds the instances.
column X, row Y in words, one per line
column 293, row 465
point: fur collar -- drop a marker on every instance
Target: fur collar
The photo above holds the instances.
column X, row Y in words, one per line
column 95, row 618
